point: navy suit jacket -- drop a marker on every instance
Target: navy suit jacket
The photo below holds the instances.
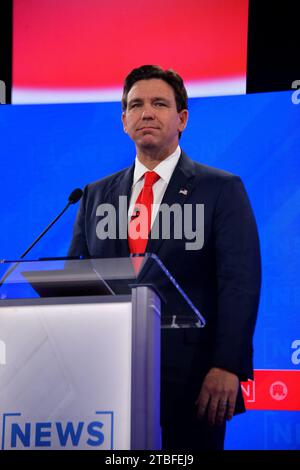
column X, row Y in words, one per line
column 222, row 278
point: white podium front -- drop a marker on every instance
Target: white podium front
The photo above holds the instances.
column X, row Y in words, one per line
column 79, row 372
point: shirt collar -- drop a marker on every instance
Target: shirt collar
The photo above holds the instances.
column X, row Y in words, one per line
column 164, row 169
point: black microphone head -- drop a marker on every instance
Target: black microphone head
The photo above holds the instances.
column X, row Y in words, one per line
column 75, row 196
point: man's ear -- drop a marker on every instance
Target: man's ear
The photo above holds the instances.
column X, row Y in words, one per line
column 183, row 119
column 124, row 121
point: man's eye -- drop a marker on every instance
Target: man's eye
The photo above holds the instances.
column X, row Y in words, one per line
column 160, row 103
column 135, row 105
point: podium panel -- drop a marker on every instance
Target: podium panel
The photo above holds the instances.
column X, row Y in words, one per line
column 55, row 356
column 82, row 371
column 68, row 377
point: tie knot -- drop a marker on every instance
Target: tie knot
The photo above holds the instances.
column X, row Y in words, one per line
column 150, row 178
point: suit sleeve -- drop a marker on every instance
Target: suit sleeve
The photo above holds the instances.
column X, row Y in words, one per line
column 238, row 267
column 78, row 246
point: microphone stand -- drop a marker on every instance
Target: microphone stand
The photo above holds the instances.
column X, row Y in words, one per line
column 14, row 266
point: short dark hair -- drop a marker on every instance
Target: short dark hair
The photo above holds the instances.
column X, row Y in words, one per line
column 146, row 72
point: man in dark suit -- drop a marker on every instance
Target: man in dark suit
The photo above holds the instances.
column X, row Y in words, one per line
column 201, row 368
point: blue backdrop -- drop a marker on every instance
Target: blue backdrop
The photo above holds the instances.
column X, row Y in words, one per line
column 48, row 150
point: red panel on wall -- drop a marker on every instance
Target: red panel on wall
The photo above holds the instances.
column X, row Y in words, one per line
column 95, row 43
column 273, row 390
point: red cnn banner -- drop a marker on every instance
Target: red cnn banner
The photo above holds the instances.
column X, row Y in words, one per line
column 273, row 390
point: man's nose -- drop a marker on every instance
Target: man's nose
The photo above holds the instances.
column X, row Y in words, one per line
column 148, row 113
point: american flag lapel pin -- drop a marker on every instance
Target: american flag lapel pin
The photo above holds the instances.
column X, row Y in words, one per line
column 183, row 191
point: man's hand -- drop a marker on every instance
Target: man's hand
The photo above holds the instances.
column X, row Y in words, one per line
column 217, row 396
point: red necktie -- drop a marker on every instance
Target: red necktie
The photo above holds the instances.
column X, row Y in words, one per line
column 140, row 223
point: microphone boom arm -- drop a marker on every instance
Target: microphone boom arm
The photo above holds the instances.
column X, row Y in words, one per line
column 73, row 198
column 45, row 231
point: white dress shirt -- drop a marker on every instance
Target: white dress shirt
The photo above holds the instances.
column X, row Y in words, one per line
column 165, row 170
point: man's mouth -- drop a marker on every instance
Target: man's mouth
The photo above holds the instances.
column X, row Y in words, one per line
column 147, row 128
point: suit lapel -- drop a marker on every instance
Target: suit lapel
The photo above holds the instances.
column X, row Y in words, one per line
column 122, row 187
column 178, row 192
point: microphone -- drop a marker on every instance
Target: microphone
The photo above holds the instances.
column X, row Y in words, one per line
column 135, row 213
column 74, row 197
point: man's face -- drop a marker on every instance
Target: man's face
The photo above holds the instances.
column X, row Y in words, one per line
column 151, row 118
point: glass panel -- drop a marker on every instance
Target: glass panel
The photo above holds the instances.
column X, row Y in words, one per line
column 66, row 277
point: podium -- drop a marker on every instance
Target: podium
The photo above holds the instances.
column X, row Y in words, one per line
column 80, row 351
